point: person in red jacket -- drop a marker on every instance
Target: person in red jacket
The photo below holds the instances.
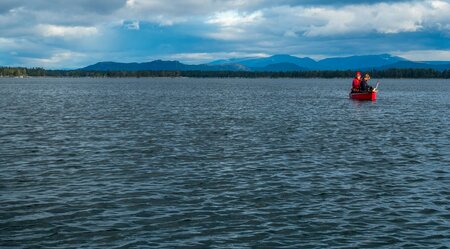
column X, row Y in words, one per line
column 356, row 82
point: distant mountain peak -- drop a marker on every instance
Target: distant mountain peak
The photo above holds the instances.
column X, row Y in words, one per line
column 358, row 62
column 281, row 67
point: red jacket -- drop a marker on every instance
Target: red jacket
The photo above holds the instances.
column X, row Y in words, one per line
column 356, row 83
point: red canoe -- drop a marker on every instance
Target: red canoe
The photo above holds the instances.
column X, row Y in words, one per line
column 364, row 96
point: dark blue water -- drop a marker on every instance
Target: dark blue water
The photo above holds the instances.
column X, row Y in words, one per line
column 223, row 163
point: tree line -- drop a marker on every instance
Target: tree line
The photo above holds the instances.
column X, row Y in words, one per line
column 388, row 73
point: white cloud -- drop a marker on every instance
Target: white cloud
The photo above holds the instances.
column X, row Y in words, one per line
column 234, row 18
column 133, row 25
column 181, row 11
column 385, row 18
column 15, row 45
column 424, row 55
column 235, row 26
column 322, row 21
column 192, row 57
column 7, row 43
column 189, row 7
column 290, row 33
column 69, row 59
column 196, row 58
column 65, row 31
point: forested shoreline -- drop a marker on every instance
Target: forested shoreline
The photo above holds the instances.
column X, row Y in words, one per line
column 388, row 73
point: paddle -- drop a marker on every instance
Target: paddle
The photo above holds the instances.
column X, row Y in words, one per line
column 376, row 87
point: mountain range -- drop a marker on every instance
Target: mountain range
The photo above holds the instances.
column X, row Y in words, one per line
column 277, row 63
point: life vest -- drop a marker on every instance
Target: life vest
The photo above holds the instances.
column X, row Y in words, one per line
column 356, row 83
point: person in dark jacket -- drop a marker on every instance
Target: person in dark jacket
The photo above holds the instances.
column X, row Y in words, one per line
column 364, row 86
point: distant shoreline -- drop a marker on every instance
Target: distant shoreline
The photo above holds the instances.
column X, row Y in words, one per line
column 17, row 72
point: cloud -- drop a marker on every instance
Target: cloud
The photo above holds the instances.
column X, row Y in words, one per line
column 207, row 57
column 66, row 31
column 54, row 61
column 6, row 5
column 326, row 21
column 234, row 25
column 73, row 7
column 234, row 18
column 208, row 29
column 381, row 18
column 189, row 7
column 7, row 43
column 424, row 55
column 133, row 25
column 17, row 46
column 181, row 11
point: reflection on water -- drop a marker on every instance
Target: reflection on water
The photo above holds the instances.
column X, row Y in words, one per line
column 223, row 163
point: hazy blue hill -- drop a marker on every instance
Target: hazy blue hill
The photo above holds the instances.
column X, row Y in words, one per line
column 230, row 61
column 416, row 65
column 436, row 62
column 358, row 62
column 224, row 67
column 339, row 63
column 406, row 64
column 442, row 67
column 165, row 65
column 276, row 63
column 111, row 66
column 154, row 65
column 263, row 62
column 160, row 65
column 280, row 67
column 438, row 65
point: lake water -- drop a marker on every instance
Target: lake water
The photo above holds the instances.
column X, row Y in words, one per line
column 223, row 163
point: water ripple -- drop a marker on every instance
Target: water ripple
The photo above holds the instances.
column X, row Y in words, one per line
column 223, row 163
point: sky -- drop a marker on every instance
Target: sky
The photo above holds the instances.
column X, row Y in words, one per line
column 64, row 34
